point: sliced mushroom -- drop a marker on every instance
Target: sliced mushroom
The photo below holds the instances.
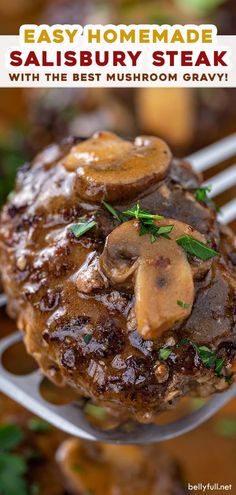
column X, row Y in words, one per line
column 110, row 168
column 160, row 271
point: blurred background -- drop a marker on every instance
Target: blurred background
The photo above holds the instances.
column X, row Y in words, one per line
column 188, row 119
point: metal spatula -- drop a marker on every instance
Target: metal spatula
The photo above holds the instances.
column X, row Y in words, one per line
column 71, row 418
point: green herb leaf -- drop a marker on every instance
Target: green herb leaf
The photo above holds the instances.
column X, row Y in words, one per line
column 149, row 229
column 183, row 341
column 143, row 229
column 146, row 219
column 226, row 427
column 184, row 305
column 219, row 364
column 155, row 231
column 196, row 248
column 136, row 212
column 82, row 227
column 229, row 379
column 38, row 425
column 164, row 353
column 201, row 194
column 206, row 356
column 209, row 359
column 12, row 470
column 10, row 436
column 87, row 338
column 115, row 213
column 164, row 230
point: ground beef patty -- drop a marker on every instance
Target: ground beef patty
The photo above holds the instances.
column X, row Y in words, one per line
column 82, row 301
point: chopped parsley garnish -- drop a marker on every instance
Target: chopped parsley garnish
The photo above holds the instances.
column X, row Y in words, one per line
column 206, row 356
column 146, row 221
column 201, row 194
column 164, row 353
column 229, row 379
column 164, row 230
column 87, row 338
column 82, row 227
column 38, row 425
column 148, row 226
column 183, row 341
column 154, row 231
column 196, row 248
column 202, row 197
column 184, row 305
column 136, row 212
column 219, row 364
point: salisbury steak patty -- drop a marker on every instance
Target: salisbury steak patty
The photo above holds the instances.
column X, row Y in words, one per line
column 125, row 312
